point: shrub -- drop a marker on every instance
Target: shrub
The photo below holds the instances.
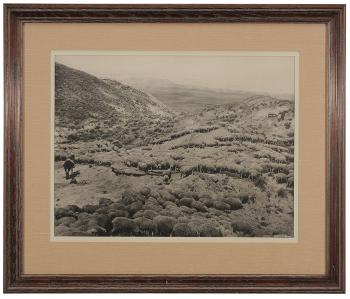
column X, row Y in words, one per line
column 281, row 192
column 281, row 178
column 259, row 182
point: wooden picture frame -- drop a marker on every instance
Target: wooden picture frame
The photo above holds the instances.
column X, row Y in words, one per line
column 16, row 15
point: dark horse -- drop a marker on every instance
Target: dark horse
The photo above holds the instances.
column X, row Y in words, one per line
column 68, row 166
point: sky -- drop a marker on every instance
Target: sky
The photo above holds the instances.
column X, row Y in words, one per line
column 265, row 74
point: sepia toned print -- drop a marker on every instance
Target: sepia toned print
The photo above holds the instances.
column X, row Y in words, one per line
column 180, row 145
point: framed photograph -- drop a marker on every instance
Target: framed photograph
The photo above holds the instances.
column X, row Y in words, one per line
column 174, row 148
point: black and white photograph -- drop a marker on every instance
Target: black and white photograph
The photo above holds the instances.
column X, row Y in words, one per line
column 174, row 145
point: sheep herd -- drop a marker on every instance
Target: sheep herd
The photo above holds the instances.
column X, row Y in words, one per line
column 156, row 213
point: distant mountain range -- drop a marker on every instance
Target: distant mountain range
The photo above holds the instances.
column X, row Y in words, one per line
column 185, row 98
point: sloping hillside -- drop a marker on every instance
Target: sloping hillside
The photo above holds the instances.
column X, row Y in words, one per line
column 264, row 115
column 80, row 96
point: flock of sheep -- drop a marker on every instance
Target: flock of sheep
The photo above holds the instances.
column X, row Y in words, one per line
column 155, row 213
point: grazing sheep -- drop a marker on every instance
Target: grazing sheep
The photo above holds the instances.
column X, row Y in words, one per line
column 128, row 197
column 186, row 201
column 105, row 201
column 90, row 208
column 234, row 203
column 209, row 230
column 166, row 195
column 73, row 208
column 172, row 211
column 119, row 213
column 134, row 207
column 104, row 220
column 164, row 225
column 220, row 205
column 66, row 221
column 209, row 202
column 187, row 210
column 150, row 214
column 242, row 227
column 199, row 206
column 83, row 216
column 97, row 231
column 147, row 227
column 243, row 197
column 63, row 212
column 188, row 194
column 124, row 227
column 145, row 191
column 86, row 223
column 184, row 230
column 102, row 210
column 117, row 206
column 177, row 193
column 186, row 171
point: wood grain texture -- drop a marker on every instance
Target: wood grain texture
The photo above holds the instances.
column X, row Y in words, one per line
column 16, row 15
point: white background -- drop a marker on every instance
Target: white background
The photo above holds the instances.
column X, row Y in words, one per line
column 300, row 296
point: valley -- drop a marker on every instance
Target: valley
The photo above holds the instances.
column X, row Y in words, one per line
column 147, row 166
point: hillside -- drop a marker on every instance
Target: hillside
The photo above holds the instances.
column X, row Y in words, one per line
column 80, row 96
column 218, row 170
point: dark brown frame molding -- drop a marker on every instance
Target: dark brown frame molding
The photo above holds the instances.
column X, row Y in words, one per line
column 16, row 15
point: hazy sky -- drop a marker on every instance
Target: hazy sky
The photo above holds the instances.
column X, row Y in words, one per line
column 274, row 75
